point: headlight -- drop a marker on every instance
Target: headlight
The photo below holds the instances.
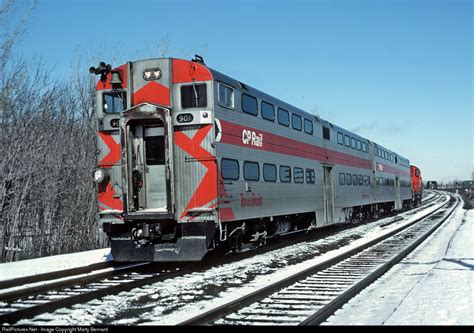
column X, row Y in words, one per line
column 99, row 175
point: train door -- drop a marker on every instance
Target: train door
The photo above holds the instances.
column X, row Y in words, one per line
column 398, row 204
column 148, row 166
column 155, row 172
column 328, row 195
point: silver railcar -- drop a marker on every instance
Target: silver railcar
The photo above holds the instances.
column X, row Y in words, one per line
column 190, row 158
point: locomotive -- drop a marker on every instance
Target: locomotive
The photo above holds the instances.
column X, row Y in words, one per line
column 416, row 184
column 190, row 159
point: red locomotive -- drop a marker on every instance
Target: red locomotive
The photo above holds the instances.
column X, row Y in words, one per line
column 416, row 184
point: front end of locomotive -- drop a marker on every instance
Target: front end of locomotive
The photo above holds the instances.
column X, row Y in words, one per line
column 157, row 172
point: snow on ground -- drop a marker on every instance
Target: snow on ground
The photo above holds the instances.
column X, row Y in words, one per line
column 173, row 300
column 432, row 286
column 14, row 270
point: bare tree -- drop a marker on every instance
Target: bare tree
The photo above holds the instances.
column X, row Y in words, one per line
column 48, row 133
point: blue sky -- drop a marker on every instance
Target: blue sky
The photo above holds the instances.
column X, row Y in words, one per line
column 397, row 72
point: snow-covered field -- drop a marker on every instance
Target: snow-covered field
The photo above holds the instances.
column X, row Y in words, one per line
column 434, row 285
column 18, row 269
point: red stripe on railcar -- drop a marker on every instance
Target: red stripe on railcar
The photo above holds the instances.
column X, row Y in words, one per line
column 152, row 92
column 187, row 71
column 107, row 199
column 233, row 134
column 114, row 150
column 206, row 192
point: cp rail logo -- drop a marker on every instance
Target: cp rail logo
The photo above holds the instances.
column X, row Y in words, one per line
column 251, row 138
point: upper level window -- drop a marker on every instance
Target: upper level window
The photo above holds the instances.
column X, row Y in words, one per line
column 226, row 95
column 283, row 117
column 114, row 102
column 326, row 133
column 340, row 138
column 230, row 169
column 296, row 122
column 251, row 171
column 364, row 147
column 249, row 104
column 347, row 140
column 353, row 143
column 268, row 111
column 359, row 145
column 308, row 126
column 194, row 96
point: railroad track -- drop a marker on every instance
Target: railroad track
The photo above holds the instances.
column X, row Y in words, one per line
column 43, row 294
column 310, row 296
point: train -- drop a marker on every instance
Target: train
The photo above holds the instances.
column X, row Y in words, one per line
column 432, row 184
column 190, row 159
column 416, row 185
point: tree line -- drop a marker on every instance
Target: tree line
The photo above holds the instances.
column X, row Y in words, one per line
column 48, row 151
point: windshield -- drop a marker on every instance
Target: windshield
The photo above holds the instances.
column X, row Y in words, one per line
column 114, row 102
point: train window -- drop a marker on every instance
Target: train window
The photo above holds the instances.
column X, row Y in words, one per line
column 348, row 179
column 354, row 179
column 340, row 138
column 361, row 180
column 296, row 122
column 283, row 117
column 249, row 104
column 269, row 172
column 114, row 102
column 268, row 111
column 308, row 126
column 310, row 176
column 285, row 174
column 230, row 169
column 194, row 96
column 364, row 147
column 359, row 145
column 353, row 143
column 155, row 150
column 298, row 175
column 368, row 181
column 417, row 173
column 251, row 171
column 342, row 179
column 326, row 133
column 347, row 140
column 226, row 95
